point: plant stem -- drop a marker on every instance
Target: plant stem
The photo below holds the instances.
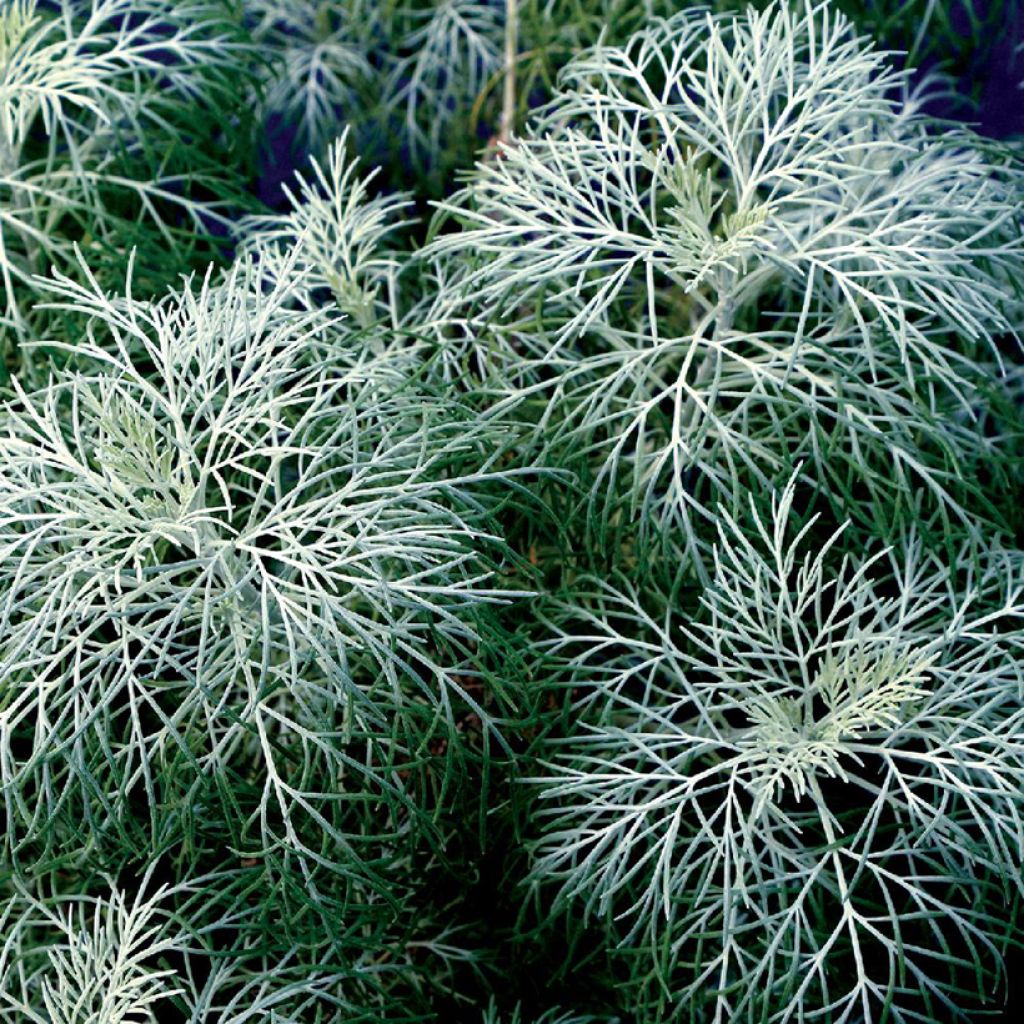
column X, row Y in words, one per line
column 8, row 157
column 9, row 160
column 508, row 103
column 723, row 315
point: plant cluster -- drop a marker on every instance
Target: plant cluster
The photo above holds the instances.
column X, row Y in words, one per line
column 592, row 592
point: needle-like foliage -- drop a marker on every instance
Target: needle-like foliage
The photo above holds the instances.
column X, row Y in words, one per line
column 105, row 111
column 409, row 70
column 601, row 602
column 97, row 960
column 805, row 801
column 446, row 55
column 318, row 63
column 247, row 572
column 734, row 246
column 333, row 245
column 110, row 957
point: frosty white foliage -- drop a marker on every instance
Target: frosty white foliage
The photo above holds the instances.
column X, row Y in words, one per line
column 103, row 959
column 807, row 803
column 230, row 540
column 783, row 122
column 743, row 250
column 85, row 960
column 254, row 572
column 84, row 59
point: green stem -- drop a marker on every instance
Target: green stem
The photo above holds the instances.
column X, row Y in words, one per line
column 724, row 312
column 508, row 103
column 10, row 161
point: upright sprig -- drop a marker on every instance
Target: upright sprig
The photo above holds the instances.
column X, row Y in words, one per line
column 101, row 960
column 334, row 245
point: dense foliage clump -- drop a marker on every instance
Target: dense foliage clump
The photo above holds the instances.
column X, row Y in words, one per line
column 510, row 511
